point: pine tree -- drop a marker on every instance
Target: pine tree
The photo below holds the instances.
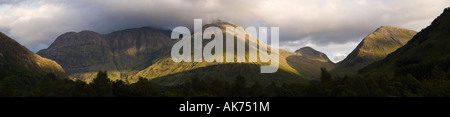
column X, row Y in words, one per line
column 102, row 85
column 144, row 88
column 119, row 88
column 256, row 90
column 325, row 75
column 240, row 88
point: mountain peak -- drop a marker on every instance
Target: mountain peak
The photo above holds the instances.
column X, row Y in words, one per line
column 313, row 54
column 388, row 27
column 88, row 32
column 391, row 29
column 220, row 24
column 81, row 38
column 9, row 45
column 306, row 50
column 374, row 47
column 383, row 41
column 425, row 53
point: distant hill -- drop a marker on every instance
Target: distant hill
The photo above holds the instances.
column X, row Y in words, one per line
column 424, row 56
column 309, row 61
column 312, row 54
column 373, row 47
column 15, row 59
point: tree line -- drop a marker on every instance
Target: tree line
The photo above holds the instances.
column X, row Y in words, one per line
column 19, row 85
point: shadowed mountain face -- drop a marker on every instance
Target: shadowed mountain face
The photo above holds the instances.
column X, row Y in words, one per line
column 426, row 54
column 374, row 47
column 121, row 53
column 16, row 59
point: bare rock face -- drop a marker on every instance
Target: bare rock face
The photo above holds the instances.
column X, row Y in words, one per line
column 79, row 52
column 135, row 49
column 120, row 53
column 19, row 60
column 76, row 39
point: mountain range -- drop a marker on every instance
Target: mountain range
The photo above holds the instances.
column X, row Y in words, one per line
column 145, row 52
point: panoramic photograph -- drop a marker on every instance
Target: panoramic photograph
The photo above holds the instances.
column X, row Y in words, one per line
column 180, row 51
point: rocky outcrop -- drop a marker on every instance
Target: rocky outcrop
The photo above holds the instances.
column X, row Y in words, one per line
column 120, row 53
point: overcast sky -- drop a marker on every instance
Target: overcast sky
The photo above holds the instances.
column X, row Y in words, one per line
column 334, row 27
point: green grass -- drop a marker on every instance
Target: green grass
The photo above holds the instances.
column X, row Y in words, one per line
column 374, row 47
column 429, row 48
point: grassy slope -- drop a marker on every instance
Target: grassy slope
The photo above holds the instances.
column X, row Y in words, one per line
column 292, row 69
column 175, row 73
column 428, row 46
column 374, row 47
column 21, row 60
